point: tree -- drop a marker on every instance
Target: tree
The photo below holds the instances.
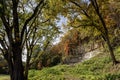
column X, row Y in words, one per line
column 38, row 41
column 105, row 34
column 90, row 14
column 17, row 30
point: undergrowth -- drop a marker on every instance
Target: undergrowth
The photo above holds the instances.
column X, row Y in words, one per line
column 99, row 67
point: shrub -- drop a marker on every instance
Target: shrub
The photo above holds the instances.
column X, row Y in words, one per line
column 112, row 77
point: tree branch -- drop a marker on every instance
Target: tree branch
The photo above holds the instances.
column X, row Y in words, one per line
column 30, row 18
column 75, row 3
column 28, row 32
column 2, row 51
column 15, row 19
column 95, row 5
column 3, row 45
column 6, row 24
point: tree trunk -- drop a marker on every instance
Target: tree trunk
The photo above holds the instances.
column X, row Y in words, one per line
column 27, row 67
column 18, row 73
column 16, row 68
column 111, row 51
column 10, row 66
column 26, row 73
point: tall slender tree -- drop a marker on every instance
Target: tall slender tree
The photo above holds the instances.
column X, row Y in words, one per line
column 105, row 34
column 89, row 13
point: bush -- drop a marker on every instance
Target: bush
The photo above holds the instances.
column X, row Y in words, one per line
column 55, row 60
column 112, row 77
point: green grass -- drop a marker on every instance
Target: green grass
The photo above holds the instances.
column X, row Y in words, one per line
column 4, row 77
column 97, row 68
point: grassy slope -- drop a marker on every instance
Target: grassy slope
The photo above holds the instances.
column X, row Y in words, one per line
column 97, row 68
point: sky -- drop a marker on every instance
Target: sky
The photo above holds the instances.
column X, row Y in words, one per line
column 60, row 23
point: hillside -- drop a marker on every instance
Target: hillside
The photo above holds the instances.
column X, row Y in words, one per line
column 99, row 67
